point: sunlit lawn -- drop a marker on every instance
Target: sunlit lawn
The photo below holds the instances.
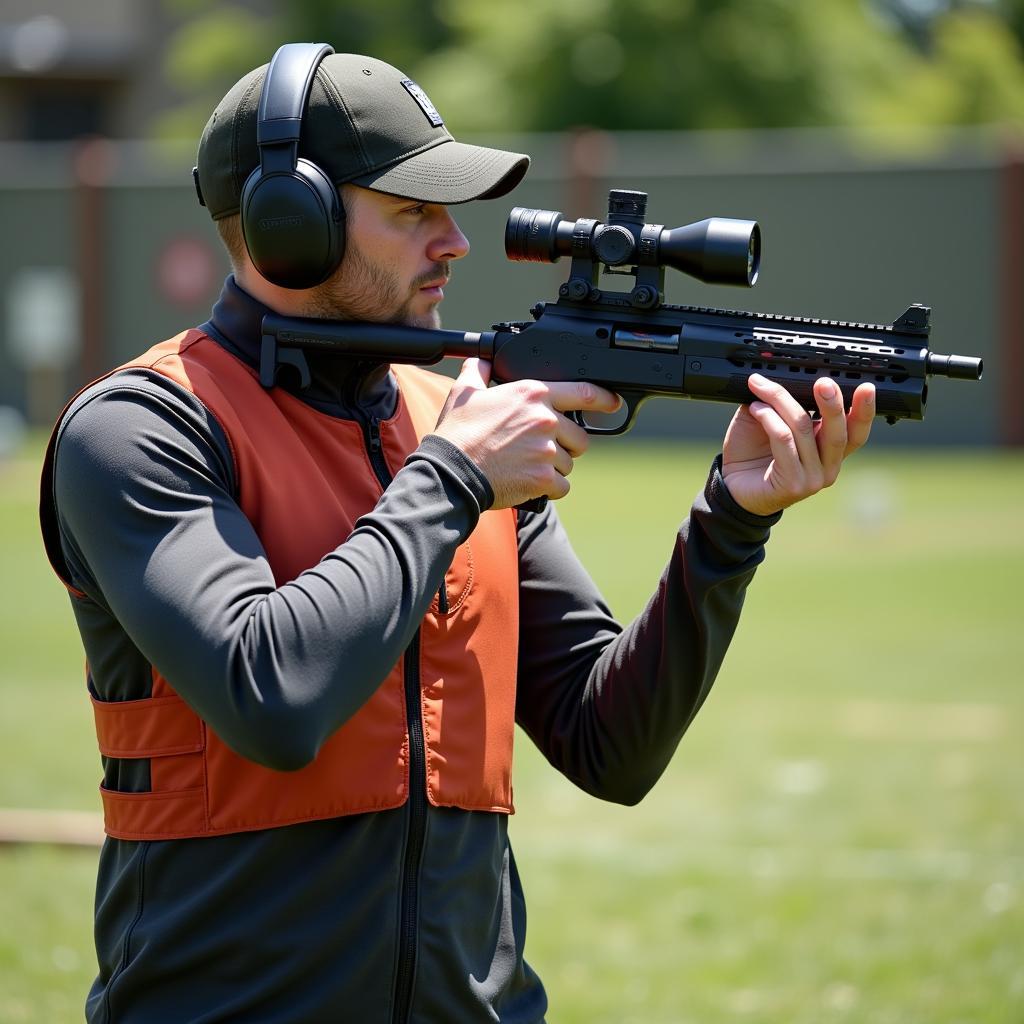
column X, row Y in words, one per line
column 840, row 837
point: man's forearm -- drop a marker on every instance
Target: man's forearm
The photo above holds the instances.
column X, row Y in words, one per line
column 610, row 711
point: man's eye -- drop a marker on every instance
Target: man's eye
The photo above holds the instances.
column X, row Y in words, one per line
column 418, row 209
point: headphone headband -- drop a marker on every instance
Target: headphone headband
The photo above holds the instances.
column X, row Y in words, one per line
column 286, row 91
column 292, row 219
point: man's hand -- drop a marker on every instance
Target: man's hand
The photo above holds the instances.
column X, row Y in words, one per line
column 775, row 455
column 516, row 433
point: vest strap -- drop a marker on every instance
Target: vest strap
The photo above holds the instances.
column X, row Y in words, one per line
column 141, row 816
column 151, row 727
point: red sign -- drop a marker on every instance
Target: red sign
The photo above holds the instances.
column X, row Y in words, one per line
column 187, row 271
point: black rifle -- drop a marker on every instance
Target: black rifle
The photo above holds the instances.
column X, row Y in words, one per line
column 634, row 344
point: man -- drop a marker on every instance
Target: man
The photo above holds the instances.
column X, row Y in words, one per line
column 312, row 614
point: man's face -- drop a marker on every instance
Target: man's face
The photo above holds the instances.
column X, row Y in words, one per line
column 397, row 259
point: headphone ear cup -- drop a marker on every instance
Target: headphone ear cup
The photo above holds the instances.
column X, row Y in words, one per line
column 293, row 223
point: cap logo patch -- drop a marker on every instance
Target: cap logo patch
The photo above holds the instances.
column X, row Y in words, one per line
column 423, row 100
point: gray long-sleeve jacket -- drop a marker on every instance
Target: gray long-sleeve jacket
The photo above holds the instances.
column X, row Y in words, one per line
column 415, row 914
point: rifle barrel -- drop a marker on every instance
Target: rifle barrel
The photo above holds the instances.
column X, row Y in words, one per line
column 960, row 367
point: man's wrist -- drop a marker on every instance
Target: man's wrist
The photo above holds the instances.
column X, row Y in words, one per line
column 719, row 496
column 449, row 457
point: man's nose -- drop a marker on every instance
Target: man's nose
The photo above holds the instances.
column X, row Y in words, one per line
column 449, row 243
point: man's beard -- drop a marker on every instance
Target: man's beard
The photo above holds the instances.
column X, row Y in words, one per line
column 363, row 290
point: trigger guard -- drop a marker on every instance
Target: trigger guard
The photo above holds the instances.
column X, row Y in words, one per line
column 631, row 400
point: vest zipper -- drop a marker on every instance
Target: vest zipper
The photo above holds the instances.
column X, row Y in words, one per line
column 409, row 907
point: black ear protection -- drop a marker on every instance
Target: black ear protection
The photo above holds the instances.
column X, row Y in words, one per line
column 292, row 217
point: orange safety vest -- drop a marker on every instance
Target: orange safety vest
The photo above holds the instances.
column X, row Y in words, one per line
column 304, row 478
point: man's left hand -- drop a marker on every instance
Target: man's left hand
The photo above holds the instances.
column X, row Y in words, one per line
column 775, row 454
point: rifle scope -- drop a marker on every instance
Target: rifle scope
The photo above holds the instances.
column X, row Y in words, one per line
column 717, row 250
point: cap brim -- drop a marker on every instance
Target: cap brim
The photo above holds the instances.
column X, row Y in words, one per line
column 452, row 172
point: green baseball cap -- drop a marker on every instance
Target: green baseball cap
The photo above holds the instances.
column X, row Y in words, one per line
column 366, row 123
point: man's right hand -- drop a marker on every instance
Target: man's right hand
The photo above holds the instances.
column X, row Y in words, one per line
column 516, row 433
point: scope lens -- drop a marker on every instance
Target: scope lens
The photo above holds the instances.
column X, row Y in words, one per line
column 531, row 235
column 754, row 255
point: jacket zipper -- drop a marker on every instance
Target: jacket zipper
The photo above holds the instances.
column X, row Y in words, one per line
column 409, row 907
column 415, row 840
column 374, row 445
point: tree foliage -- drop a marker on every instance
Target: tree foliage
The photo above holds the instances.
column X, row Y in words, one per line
column 509, row 65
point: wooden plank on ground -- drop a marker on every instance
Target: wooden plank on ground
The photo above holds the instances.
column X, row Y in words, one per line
column 55, row 828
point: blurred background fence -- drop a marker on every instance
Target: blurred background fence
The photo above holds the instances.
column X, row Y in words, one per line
column 114, row 253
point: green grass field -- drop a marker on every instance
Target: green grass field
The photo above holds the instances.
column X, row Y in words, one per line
column 839, row 838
